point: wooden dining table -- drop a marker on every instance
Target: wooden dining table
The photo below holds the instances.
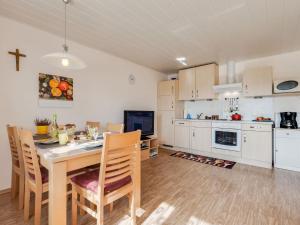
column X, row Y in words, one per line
column 59, row 160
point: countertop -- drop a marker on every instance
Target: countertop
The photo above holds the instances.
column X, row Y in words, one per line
column 229, row 121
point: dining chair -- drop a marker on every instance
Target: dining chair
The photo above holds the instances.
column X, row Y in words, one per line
column 36, row 177
column 93, row 124
column 115, row 127
column 114, row 180
column 18, row 177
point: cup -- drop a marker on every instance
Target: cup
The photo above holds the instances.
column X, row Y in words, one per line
column 63, row 138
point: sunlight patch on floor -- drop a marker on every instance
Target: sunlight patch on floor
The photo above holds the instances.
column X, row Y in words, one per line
column 195, row 221
column 159, row 215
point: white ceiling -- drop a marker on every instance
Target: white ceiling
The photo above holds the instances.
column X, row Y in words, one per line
column 154, row 32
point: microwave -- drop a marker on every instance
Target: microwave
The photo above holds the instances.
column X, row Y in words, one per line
column 286, row 85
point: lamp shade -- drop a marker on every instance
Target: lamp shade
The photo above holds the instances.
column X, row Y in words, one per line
column 64, row 60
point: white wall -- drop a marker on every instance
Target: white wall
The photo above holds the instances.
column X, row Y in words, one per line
column 101, row 91
column 284, row 66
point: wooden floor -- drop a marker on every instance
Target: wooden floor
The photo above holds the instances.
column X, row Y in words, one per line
column 182, row 192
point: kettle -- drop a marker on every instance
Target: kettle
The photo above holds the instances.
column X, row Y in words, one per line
column 236, row 116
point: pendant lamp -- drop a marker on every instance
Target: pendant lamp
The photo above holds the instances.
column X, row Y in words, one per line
column 64, row 59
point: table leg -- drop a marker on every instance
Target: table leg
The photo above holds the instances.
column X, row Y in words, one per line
column 58, row 193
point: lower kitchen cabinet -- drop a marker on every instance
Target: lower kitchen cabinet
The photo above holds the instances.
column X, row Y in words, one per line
column 182, row 135
column 200, row 139
column 165, row 122
column 257, row 145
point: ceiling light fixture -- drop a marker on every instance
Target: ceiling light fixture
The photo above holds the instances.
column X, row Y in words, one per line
column 182, row 60
column 64, row 60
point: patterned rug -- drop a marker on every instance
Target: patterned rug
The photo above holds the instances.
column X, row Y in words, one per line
column 207, row 160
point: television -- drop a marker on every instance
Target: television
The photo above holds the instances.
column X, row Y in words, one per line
column 139, row 120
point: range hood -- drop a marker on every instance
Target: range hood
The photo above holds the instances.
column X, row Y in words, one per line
column 231, row 85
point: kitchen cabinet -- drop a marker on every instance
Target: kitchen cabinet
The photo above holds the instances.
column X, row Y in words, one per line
column 257, row 144
column 200, row 137
column 197, row 83
column 169, row 108
column 165, row 128
column 287, row 151
column 166, row 88
column 258, row 82
column 206, row 77
column 182, row 134
column 187, row 84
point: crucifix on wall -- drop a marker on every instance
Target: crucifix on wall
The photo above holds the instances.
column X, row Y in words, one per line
column 17, row 54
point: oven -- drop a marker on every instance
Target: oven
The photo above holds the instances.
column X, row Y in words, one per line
column 226, row 136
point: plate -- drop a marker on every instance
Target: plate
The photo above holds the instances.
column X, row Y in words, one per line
column 48, row 141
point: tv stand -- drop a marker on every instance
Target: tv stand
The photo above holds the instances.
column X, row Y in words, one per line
column 149, row 147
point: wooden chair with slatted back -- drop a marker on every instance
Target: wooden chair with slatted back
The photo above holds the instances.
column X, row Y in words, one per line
column 93, row 124
column 36, row 178
column 115, row 179
column 115, row 127
column 18, row 177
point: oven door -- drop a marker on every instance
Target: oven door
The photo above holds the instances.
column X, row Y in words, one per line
column 227, row 139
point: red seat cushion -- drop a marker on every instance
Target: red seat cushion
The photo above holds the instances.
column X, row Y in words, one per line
column 44, row 174
column 90, row 180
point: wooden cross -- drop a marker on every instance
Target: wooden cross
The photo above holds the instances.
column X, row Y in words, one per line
column 17, row 54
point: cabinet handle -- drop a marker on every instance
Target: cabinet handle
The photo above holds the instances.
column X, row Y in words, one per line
column 245, row 139
column 172, row 121
column 193, row 133
column 181, row 123
column 172, row 105
column 192, row 94
column 197, row 93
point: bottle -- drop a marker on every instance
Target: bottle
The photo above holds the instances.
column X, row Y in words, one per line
column 54, row 126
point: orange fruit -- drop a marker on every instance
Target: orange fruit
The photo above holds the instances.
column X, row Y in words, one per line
column 56, row 92
column 53, row 83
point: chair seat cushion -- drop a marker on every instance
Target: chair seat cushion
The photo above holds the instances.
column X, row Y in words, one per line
column 44, row 175
column 90, row 180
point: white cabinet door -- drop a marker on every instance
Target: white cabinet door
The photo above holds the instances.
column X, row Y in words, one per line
column 182, row 136
column 258, row 82
column 165, row 122
column 257, row 146
column 287, row 150
column 186, row 84
column 206, row 77
column 200, row 139
column 166, row 88
column 165, row 102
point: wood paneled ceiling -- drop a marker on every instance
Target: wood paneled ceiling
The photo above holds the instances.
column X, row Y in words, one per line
column 154, row 33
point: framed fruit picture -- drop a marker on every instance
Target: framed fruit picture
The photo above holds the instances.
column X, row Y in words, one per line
column 54, row 87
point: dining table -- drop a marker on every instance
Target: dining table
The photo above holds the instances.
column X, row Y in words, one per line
column 61, row 159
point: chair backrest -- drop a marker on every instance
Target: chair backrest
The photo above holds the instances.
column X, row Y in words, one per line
column 93, row 124
column 15, row 147
column 115, row 127
column 31, row 161
column 118, row 160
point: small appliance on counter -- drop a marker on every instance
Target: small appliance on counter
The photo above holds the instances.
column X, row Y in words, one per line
column 288, row 120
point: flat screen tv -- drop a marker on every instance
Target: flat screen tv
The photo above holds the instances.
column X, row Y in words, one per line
column 139, row 120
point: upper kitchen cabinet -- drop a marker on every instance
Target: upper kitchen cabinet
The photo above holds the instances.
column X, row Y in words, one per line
column 206, row 77
column 187, row 84
column 258, row 82
column 197, row 83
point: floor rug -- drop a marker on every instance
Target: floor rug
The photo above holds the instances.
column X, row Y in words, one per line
column 207, row 160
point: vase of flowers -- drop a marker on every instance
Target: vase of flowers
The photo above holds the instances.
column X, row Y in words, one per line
column 42, row 125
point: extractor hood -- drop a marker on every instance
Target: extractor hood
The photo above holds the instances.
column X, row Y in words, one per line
column 231, row 85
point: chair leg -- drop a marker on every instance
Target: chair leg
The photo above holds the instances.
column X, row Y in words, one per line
column 14, row 181
column 82, row 201
column 74, row 207
column 100, row 214
column 26, row 202
column 37, row 207
column 132, row 208
column 21, row 191
column 111, row 207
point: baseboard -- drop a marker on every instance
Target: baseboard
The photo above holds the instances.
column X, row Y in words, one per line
column 4, row 191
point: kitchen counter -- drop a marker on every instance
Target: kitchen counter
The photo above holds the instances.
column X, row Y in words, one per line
column 228, row 121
